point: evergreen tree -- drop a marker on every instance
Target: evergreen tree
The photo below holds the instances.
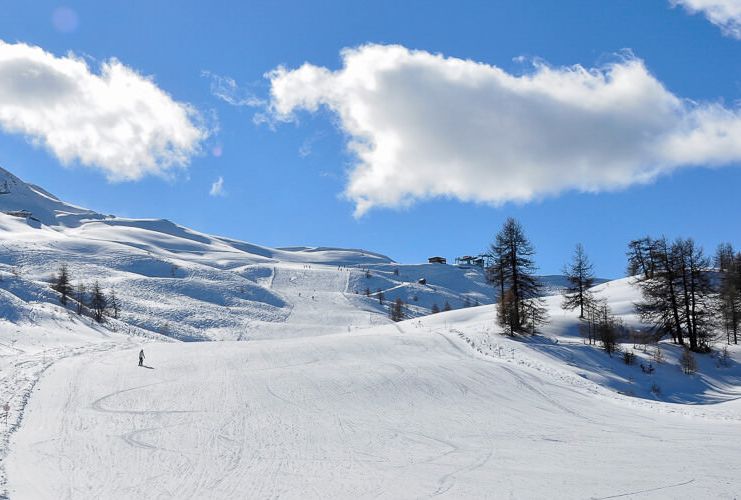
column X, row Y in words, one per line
column 113, row 302
column 514, row 270
column 98, row 303
column 397, row 310
column 61, row 284
column 379, row 294
column 447, row 307
column 505, row 312
column 580, row 275
column 435, row 309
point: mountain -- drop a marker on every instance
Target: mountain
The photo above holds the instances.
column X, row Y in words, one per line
column 184, row 284
column 19, row 198
column 329, row 398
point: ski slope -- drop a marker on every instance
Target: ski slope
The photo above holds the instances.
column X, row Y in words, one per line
column 187, row 285
column 386, row 413
column 311, row 391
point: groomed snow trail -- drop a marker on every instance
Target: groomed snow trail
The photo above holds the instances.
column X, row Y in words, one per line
column 382, row 414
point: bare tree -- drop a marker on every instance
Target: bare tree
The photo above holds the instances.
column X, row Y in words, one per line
column 728, row 263
column 678, row 297
column 80, row 298
column 642, row 258
column 660, row 306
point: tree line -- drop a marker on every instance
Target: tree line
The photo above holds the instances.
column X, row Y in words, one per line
column 685, row 295
column 87, row 300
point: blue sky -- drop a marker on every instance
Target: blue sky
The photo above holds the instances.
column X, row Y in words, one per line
column 283, row 181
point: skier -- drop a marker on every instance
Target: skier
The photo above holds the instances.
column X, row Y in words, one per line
column 141, row 357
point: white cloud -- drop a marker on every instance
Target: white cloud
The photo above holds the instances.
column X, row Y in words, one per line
column 217, row 188
column 423, row 125
column 725, row 14
column 116, row 120
column 226, row 89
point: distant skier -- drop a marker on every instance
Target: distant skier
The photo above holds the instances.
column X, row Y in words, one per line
column 141, row 357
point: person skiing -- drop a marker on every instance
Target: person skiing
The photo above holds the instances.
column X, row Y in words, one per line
column 141, row 357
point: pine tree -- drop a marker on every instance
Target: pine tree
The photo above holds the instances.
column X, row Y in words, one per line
column 514, row 270
column 397, row 310
column 61, row 284
column 505, row 312
column 580, row 275
column 435, row 309
column 113, row 301
column 98, row 303
column 447, row 307
column 379, row 294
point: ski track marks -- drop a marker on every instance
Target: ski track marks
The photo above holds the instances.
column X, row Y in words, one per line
column 363, row 415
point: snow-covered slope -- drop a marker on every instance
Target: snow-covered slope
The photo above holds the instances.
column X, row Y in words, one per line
column 181, row 283
column 18, row 196
column 329, row 399
column 387, row 413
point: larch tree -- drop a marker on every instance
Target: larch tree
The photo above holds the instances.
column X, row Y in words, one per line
column 397, row 310
column 580, row 276
column 80, row 297
column 61, row 284
column 728, row 264
column 642, row 258
column 513, row 269
column 678, row 295
column 98, row 303
column 113, row 303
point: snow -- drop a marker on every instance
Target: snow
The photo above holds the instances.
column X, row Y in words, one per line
column 391, row 414
column 311, row 392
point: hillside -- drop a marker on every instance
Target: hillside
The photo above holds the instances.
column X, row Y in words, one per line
column 397, row 411
column 187, row 285
column 313, row 392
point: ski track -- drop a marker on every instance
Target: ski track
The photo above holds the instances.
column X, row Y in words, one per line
column 373, row 415
column 18, row 383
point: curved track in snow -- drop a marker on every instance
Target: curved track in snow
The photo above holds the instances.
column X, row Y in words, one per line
column 384, row 414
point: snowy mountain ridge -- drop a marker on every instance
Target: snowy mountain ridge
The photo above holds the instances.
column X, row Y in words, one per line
column 181, row 283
